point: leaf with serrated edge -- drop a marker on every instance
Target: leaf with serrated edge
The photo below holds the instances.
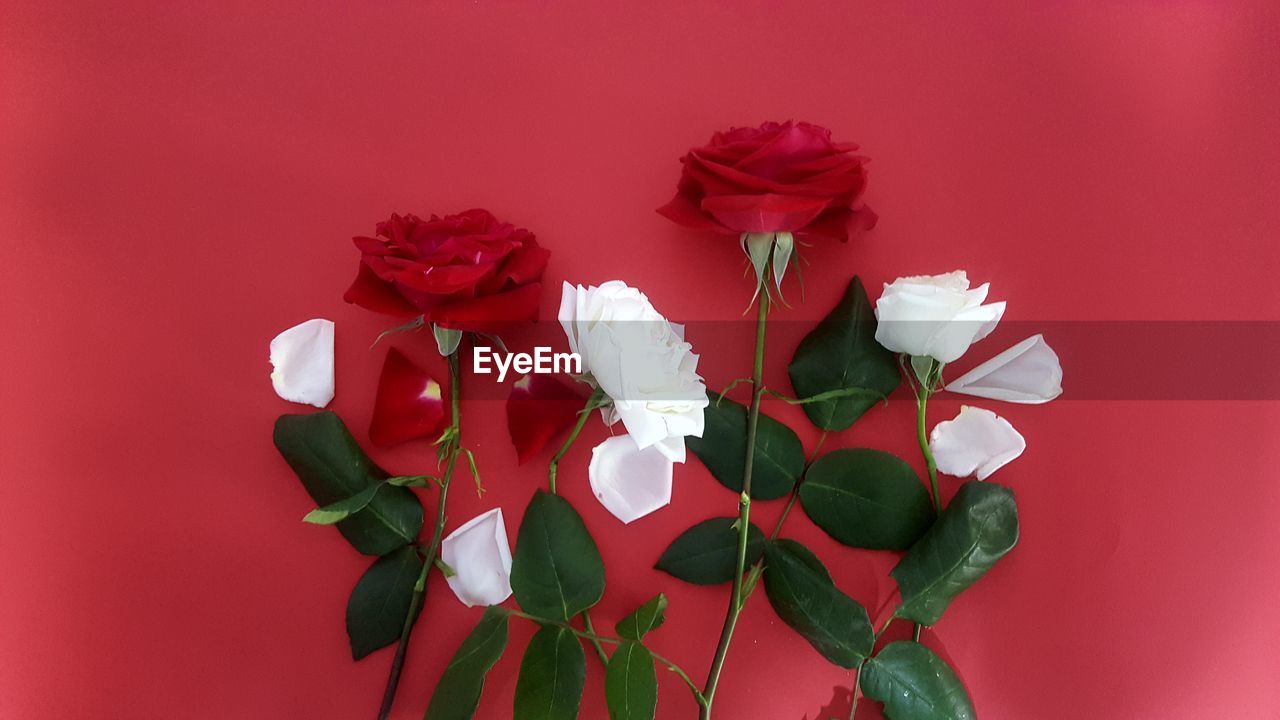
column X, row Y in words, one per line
column 915, row 684
column 707, row 553
column 866, row 499
column 978, row 527
column 801, row 591
column 458, row 692
column 647, row 617
column 631, row 683
column 839, row 354
column 552, row 674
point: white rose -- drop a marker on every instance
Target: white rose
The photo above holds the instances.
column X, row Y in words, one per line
column 640, row 361
column 935, row 316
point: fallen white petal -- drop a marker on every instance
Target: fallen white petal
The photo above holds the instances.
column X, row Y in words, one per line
column 480, row 557
column 977, row 442
column 302, row 358
column 1028, row 372
column 628, row 481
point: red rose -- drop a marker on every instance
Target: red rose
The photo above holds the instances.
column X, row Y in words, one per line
column 466, row 272
column 787, row 177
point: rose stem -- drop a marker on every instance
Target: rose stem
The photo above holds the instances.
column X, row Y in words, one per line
column 420, row 588
column 744, row 508
column 592, row 403
column 922, row 401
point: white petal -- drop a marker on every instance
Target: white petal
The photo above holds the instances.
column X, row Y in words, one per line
column 977, row 442
column 628, row 481
column 1028, row 372
column 480, row 556
column 302, row 358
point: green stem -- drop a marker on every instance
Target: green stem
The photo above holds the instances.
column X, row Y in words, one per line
column 586, row 623
column 922, row 402
column 857, row 690
column 744, row 510
column 420, row 587
column 592, row 403
column 596, row 638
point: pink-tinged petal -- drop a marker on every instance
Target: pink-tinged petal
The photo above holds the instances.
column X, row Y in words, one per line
column 977, row 442
column 302, row 362
column 539, row 409
column 1028, row 372
column 764, row 213
column 409, row 404
column 373, row 293
column 628, row 481
column 479, row 554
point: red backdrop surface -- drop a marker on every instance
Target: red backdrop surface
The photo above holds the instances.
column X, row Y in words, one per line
column 180, row 182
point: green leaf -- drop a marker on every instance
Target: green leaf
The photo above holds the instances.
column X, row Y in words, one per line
column 779, row 456
column 841, row 353
column 915, row 684
column 866, row 499
column 976, row 529
column 802, row 593
column 552, row 674
column 341, row 510
column 380, row 601
column 556, row 571
column 631, row 684
column 648, row 616
column 332, row 467
column 458, row 692
column 707, row 553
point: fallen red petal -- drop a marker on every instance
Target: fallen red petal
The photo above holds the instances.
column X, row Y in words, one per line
column 409, row 405
column 540, row 408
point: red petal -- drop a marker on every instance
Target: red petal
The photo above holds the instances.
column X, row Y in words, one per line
column 410, row 403
column 764, row 213
column 373, row 293
column 682, row 211
column 490, row 313
column 540, row 408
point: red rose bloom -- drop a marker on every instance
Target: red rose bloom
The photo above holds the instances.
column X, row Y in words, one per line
column 787, row 177
column 465, row 272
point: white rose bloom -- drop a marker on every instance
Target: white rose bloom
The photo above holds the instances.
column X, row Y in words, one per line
column 302, row 362
column 628, row 481
column 937, row 316
column 977, row 442
column 640, row 361
column 1028, row 372
column 480, row 557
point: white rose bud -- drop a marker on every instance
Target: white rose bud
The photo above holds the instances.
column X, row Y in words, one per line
column 640, row 361
column 935, row 316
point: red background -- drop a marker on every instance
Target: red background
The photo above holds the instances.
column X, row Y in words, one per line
column 178, row 184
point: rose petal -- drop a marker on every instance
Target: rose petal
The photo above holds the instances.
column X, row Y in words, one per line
column 1028, row 372
column 977, row 442
column 539, row 408
column 480, row 556
column 628, row 481
column 302, row 358
column 373, row 293
column 409, row 404
column 764, row 213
